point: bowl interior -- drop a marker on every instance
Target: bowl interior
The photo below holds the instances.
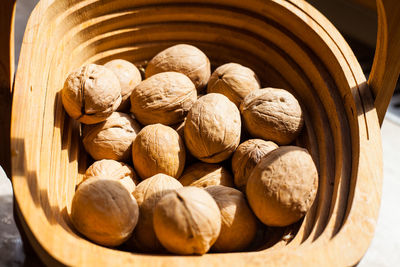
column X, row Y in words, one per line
column 274, row 38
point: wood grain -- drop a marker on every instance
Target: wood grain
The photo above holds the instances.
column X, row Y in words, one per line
column 288, row 43
column 386, row 66
column 7, row 12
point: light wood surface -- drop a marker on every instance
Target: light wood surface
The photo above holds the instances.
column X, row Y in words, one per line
column 7, row 11
column 386, row 66
column 289, row 44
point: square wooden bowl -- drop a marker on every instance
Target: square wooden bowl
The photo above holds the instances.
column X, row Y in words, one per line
column 288, row 44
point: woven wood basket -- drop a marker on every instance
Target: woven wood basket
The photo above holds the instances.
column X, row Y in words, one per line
column 287, row 43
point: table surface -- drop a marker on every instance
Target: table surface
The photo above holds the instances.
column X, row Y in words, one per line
column 383, row 250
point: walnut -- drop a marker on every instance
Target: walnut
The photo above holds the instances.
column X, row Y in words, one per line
column 239, row 225
column 205, row 174
column 234, row 81
column 246, row 157
column 158, row 149
column 111, row 139
column 91, row 94
column 104, row 211
column 212, row 128
column 272, row 114
column 112, row 169
column 187, row 221
column 283, row 186
column 163, row 98
column 147, row 194
column 185, row 59
column 128, row 76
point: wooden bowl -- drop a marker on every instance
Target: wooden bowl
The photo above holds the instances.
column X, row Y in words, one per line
column 288, row 44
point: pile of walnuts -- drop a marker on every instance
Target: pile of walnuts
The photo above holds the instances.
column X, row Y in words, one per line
column 173, row 170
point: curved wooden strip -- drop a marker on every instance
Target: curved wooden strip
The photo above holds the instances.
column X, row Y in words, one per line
column 43, row 200
column 386, row 67
column 6, row 79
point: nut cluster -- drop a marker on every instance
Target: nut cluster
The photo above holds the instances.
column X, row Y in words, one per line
column 173, row 171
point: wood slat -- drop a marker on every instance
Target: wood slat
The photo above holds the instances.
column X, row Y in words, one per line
column 7, row 12
column 288, row 44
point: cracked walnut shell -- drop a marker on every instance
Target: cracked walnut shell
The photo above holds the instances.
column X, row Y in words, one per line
column 91, row 94
column 212, row 128
column 163, row 98
column 104, row 211
column 183, row 58
column 111, row 139
column 187, row 221
column 272, row 114
column 283, row 186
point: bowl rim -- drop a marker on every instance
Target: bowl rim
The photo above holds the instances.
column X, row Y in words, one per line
column 345, row 248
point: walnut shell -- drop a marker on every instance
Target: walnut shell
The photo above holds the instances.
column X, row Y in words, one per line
column 205, row 174
column 111, row 139
column 185, row 59
column 147, row 194
column 187, row 221
column 233, row 81
column 283, row 186
column 238, row 223
column 272, row 114
column 113, row 169
column 128, row 76
column 158, row 149
column 212, row 128
column 104, row 211
column 91, row 94
column 246, row 157
column 163, row 98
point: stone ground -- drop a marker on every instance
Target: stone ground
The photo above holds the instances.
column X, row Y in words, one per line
column 383, row 250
